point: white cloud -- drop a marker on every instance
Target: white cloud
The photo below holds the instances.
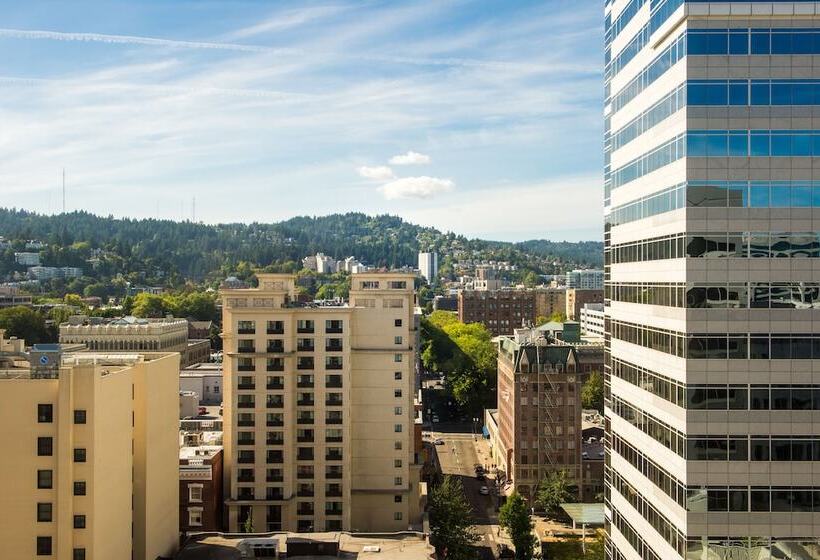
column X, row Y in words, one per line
column 380, row 173
column 410, row 158
column 416, row 187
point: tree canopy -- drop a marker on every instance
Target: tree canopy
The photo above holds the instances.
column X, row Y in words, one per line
column 514, row 517
column 451, row 528
column 554, row 490
column 592, row 392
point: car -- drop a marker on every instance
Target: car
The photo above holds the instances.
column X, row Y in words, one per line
column 438, row 441
column 480, row 476
column 435, row 418
column 484, row 491
column 505, row 551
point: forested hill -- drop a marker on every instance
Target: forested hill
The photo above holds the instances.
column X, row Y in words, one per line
column 184, row 250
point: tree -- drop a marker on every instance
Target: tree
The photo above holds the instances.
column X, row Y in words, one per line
column 149, row 305
column 592, row 393
column 451, row 530
column 24, row 323
column 515, row 519
column 596, row 550
column 531, row 279
column 553, row 491
column 247, row 526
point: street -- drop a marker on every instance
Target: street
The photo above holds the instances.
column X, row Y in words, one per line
column 458, row 457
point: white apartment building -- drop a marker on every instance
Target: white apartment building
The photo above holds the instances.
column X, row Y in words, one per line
column 428, row 266
column 27, row 259
column 592, row 319
column 585, row 279
column 712, row 261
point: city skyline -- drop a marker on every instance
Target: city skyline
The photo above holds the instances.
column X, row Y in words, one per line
column 439, row 113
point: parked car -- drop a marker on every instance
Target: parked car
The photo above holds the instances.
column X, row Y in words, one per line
column 484, row 491
column 438, row 441
column 480, row 476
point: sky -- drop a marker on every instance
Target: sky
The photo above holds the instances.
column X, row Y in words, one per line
column 480, row 117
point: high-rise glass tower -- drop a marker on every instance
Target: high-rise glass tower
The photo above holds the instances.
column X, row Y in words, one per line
column 712, row 278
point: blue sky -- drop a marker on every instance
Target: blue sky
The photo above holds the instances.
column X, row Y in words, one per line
column 481, row 117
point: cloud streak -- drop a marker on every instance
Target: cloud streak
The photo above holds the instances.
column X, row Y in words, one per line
column 416, row 187
column 380, row 173
column 411, row 158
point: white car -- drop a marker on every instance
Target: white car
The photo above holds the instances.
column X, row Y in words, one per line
column 438, row 441
column 484, row 491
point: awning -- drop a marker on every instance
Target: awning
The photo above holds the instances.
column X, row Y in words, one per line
column 485, row 431
column 585, row 514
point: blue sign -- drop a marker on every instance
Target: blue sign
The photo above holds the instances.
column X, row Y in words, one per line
column 43, row 360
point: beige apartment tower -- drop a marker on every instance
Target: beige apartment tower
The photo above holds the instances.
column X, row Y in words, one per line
column 89, row 465
column 319, row 407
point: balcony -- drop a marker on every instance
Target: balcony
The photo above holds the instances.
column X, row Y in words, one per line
column 333, row 383
column 276, row 367
column 246, row 386
column 278, row 495
column 246, row 368
column 305, row 384
column 274, row 478
column 245, row 441
column 245, row 477
column 305, row 364
column 276, row 329
column 246, row 423
column 245, row 459
column 333, row 439
column 274, row 457
column 333, row 402
column 304, row 511
column 305, row 438
column 278, row 403
column 305, row 347
column 245, row 404
column 304, row 420
column 275, row 423
column 245, row 494
column 334, row 330
column 333, row 457
column 305, row 329
column 275, row 441
column 333, row 493
column 246, row 349
column 334, row 348
column 335, row 511
column 277, row 386
column 333, row 474
column 304, row 475
column 334, row 365
column 333, row 420
column 305, row 493
column 305, row 402
column 305, row 455
column 275, row 348
column 246, row 330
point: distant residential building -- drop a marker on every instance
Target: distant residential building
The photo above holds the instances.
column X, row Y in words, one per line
column 27, row 259
column 319, row 414
column 199, row 330
column 428, row 266
column 4, row 243
column 577, row 298
column 592, row 454
column 549, row 301
column 200, row 489
column 325, row 264
column 53, row 272
column 351, row 266
column 309, row 262
column 486, row 278
column 205, row 379
column 586, row 279
column 445, row 303
column 592, row 319
column 10, row 296
column 34, row 245
column 501, row 311
column 90, row 455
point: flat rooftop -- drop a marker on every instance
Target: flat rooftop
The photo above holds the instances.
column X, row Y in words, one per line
column 361, row 546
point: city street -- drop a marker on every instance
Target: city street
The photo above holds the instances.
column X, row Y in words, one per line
column 458, row 457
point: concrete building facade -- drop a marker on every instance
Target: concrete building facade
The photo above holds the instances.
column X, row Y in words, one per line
column 90, row 456
column 318, row 409
column 549, row 301
column 711, row 256
column 501, row 311
column 592, row 319
column 201, row 500
column 577, row 298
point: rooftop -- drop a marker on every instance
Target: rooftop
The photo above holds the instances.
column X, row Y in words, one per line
column 361, row 546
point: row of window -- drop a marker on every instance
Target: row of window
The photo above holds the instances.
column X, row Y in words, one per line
column 45, row 448
column 719, row 397
column 745, row 41
column 653, row 160
column 731, row 295
column 653, row 472
column 278, row 364
column 720, row 448
column 752, row 92
column 748, row 244
column 45, row 414
column 45, row 547
column 278, row 327
column 654, row 70
column 750, row 143
column 755, row 499
column 632, row 537
column 653, row 116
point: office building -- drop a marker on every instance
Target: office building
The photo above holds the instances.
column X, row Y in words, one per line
column 501, row 311
column 318, row 408
column 549, row 301
column 487, row 278
column 10, row 296
column 577, row 298
column 27, row 259
column 711, row 257
column 592, row 319
column 201, row 500
column 204, row 379
column 428, row 267
column 585, row 279
column 90, row 452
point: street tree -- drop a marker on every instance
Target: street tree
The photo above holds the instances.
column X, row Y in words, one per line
column 553, row 491
column 514, row 517
column 592, row 392
column 451, row 530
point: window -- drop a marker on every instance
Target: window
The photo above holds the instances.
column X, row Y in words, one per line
column 195, row 517
column 79, row 554
column 397, row 393
column 397, row 463
column 397, row 340
column 43, row 546
column 45, row 413
column 79, row 418
column 397, row 516
column 195, row 493
column 45, row 446
column 79, row 488
column 44, row 512
column 397, row 445
column 397, row 358
column 397, row 498
column 397, row 428
column 397, row 411
column 397, row 376
column 79, row 521
column 79, row 454
column 397, row 481
column 397, row 322
column 44, row 479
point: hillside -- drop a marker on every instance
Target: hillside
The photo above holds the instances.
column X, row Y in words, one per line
column 171, row 253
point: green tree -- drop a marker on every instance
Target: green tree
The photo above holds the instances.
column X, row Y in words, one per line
column 195, row 305
column 150, row 305
column 24, row 323
column 592, row 392
column 451, row 530
column 596, row 550
column 554, row 490
column 514, row 517
column 531, row 279
column 247, row 526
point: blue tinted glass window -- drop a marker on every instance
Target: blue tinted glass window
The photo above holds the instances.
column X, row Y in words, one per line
column 738, row 145
column 738, row 94
column 759, row 196
column 739, row 43
column 781, row 43
column 716, row 145
column 815, row 197
column 802, row 43
column 760, row 42
column 759, row 145
column 717, row 43
column 802, row 94
column 738, row 192
column 696, row 43
column 696, row 145
column 781, row 196
column 717, row 94
column 801, row 145
column 801, row 196
column 781, row 94
column 760, row 93
column 697, row 94
column 781, row 145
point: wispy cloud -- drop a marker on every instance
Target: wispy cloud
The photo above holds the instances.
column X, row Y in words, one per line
column 380, row 173
column 416, row 187
column 286, row 20
column 410, row 158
